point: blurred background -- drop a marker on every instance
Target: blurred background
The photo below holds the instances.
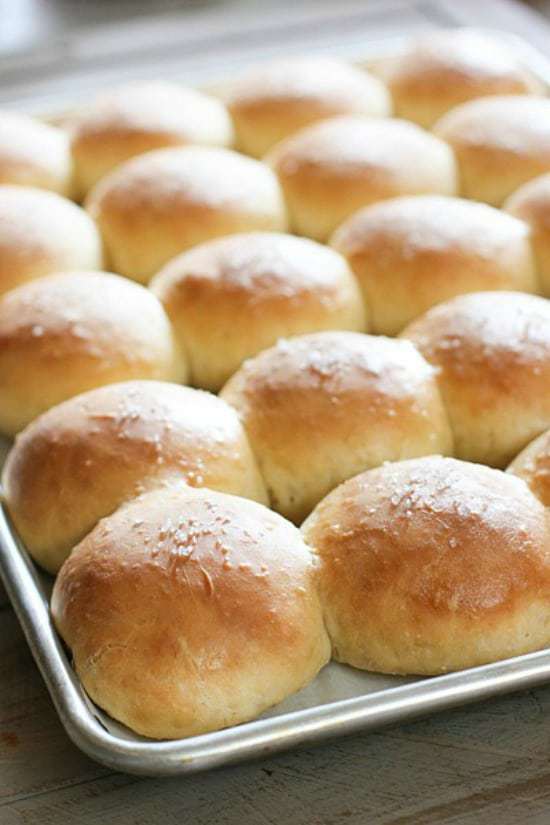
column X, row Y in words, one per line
column 24, row 23
column 56, row 50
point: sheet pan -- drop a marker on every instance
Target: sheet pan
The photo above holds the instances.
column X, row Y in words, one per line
column 340, row 701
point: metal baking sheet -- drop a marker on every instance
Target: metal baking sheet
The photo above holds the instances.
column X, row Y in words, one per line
column 341, row 700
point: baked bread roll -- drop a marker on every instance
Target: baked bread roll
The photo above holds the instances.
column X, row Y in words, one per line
column 413, row 252
column 68, row 333
column 270, row 102
column 232, row 297
column 320, row 408
column 188, row 611
column 442, row 69
column 492, row 354
column 499, row 142
column 80, row 460
column 41, row 233
column 533, row 466
column 331, row 169
column 531, row 203
column 34, row 154
column 137, row 118
column 432, row 565
column 161, row 203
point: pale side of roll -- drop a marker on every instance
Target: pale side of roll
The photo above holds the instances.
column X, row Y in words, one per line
column 331, row 169
column 138, row 118
column 440, row 70
column 432, row 565
column 533, row 466
column 188, row 611
column 320, row 408
column 499, row 142
column 272, row 101
column 80, row 460
column 411, row 253
column 232, row 297
column 531, row 203
column 34, row 154
column 42, row 233
column 68, row 333
column 161, row 203
column 492, row 355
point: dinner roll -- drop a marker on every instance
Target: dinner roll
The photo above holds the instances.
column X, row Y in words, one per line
column 188, row 611
column 320, row 408
column 271, row 102
column 139, row 117
column 499, row 143
column 333, row 168
column 232, row 297
column 71, row 332
column 161, row 203
column 492, row 354
column 439, row 70
column 41, row 233
column 531, row 203
column 34, row 154
column 80, row 460
column 432, row 565
column 533, row 466
column 413, row 252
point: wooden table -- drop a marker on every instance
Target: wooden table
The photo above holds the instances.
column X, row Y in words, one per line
column 486, row 764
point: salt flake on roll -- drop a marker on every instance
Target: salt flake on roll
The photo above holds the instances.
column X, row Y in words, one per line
column 231, row 297
column 34, row 154
column 80, row 460
column 42, row 233
column 64, row 334
column 187, row 611
column 138, row 118
column 499, row 143
column 161, row 203
column 320, row 408
column 331, row 169
column 272, row 101
column 432, row 565
column 411, row 253
column 492, row 355
column 438, row 71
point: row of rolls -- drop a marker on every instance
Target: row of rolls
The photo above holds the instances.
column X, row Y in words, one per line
column 371, row 483
column 188, row 605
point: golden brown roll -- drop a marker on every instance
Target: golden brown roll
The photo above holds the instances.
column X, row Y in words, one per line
column 331, row 169
column 188, row 611
column 270, row 102
column 320, row 408
column 41, row 233
column 499, row 142
column 80, row 460
column 533, row 466
column 531, row 203
column 68, row 333
column 413, row 252
column 492, row 354
column 432, row 565
column 232, row 297
column 34, row 154
column 440, row 70
column 137, row 118
column 161, row 203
